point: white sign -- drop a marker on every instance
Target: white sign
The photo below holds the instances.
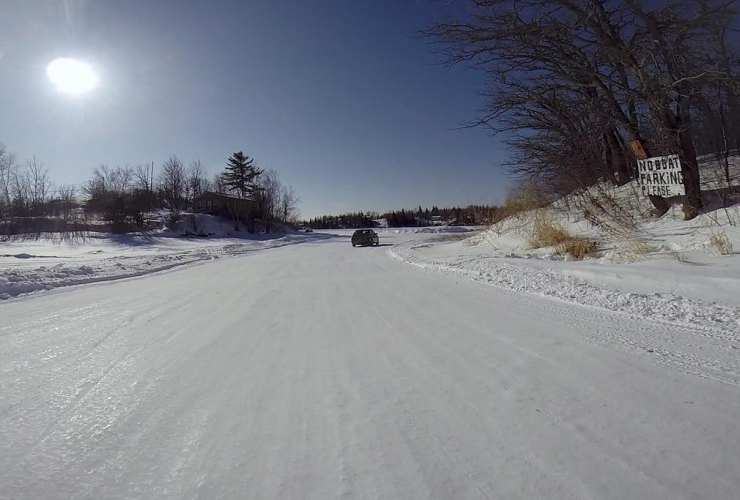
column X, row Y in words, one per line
column 661, row 176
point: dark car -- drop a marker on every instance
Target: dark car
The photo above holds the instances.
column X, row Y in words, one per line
column 365, row 237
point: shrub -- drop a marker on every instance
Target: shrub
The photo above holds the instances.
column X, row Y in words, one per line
column 461, row 236
column 579, row 249
column 172, row 219
column 618, row 211
column 678, row 254
column 721, row 242
column 547, row 232
column 633, row 250
column 521, row 199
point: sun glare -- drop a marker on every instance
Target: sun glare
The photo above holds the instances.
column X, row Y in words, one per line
column 72, row 76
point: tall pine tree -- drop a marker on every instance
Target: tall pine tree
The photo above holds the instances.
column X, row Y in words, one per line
column 241, row 175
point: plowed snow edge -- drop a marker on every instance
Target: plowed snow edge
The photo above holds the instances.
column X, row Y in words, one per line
column 21, row 282
column 657, row 307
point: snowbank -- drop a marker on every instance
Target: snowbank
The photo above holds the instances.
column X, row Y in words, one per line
column 668, row 259
column 619, row 221
column 45, row 264
column 433, row 229
column 405, row 230
column 659, row 307
column 670, row 236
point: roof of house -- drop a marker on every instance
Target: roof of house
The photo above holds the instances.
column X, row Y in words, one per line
column 223, row 195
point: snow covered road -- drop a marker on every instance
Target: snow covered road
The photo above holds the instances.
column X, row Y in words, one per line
column 322, row 371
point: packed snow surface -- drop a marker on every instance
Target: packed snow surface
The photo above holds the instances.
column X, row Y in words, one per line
column 571, row 287
column 44, row 264
column 324, row 371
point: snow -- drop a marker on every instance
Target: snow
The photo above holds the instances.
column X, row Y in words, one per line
column 664, row 270
column 619, row 219
column 433, row 229
column 406, row 230
column 324, row 371
column 667, row 267
column 575, row 287
column 34, row 265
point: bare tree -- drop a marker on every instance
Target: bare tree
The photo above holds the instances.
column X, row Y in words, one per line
column 123, row 179
column 277, row 203
column 37, row 182
column 66, row 194
column 196, row 182
column 269, row 195
column 106, row 179
column 172, row 180
column 97, row 185
column 585, row 77
column 218, row 185
column 20, row 196
column 288, row 205
column 144, row 177
column 7, row 172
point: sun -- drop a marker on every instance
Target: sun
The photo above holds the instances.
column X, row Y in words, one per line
column 72, row 76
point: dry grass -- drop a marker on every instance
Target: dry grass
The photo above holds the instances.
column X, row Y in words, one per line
column 443, row 237
column 521, row 199
column 678, row 255
column 547, row 232
column 618, row 211
column 716, row 219
column 579, row 249
column 502, row 226
column 473, row 241
column 720, row 241
column 633, row 250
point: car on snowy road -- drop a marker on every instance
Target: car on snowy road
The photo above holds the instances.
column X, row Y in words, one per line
column 364, row 237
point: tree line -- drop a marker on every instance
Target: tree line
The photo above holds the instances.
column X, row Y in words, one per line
column 125, row 195
column 572, row 83
column 26, row 188
column 472, row 215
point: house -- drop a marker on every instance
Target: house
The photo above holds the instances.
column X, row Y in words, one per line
column 222, row 204
column 383, row 222
column 437, row 220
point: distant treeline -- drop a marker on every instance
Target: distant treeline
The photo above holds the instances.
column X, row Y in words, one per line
column 471, row 215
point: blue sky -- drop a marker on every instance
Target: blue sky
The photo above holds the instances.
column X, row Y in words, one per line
column 338, row 96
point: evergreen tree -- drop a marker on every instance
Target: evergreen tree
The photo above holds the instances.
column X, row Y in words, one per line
column 241, row 175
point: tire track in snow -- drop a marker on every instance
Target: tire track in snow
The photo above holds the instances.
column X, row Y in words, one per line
column 665, row 341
